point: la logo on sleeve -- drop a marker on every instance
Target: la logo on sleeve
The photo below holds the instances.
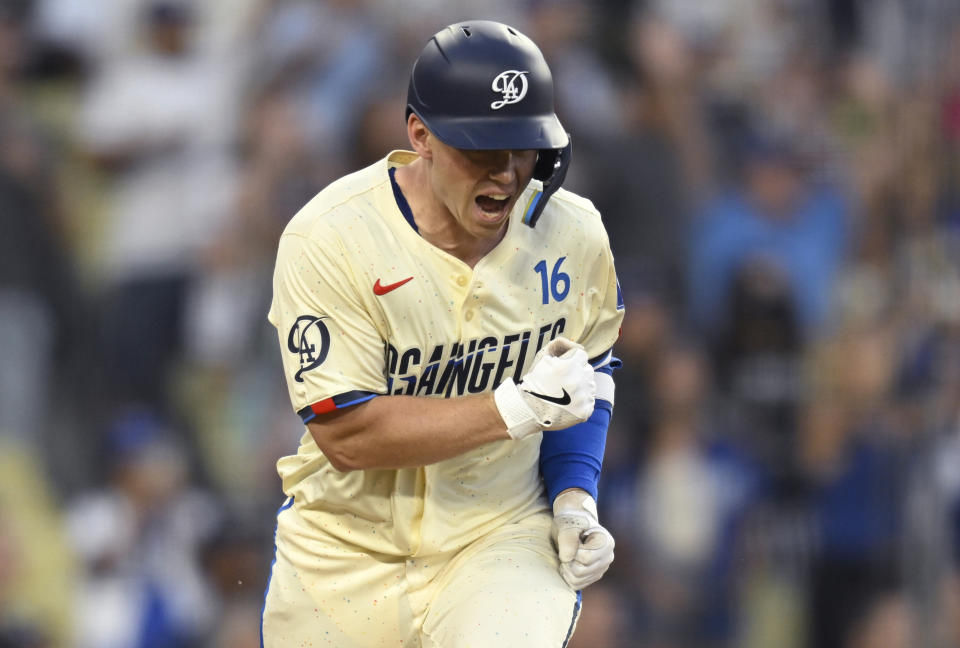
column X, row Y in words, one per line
column 310, row 339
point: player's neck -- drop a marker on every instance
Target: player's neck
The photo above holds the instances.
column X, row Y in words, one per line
column 436, row 224
column 446, row 233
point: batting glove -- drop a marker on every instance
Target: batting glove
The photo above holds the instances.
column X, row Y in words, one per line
column 585, row 548
column 556, row 393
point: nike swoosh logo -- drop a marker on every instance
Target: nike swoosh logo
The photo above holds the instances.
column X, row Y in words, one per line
column 559, row 400
column 383, row 290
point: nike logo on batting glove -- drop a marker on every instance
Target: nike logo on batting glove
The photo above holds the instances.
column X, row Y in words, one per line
column 559, row 400
column 529, row 408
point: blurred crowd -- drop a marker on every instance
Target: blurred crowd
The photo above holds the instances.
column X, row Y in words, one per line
column 781, row 184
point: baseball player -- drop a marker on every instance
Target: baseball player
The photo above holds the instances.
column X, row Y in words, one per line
column 446, row 318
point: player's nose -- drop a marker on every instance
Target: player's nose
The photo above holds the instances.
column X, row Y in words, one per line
column 504, row 166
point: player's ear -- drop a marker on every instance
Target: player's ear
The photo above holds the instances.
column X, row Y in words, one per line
column 419, row 137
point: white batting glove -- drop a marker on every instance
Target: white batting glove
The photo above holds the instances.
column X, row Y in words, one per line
column 585, row 548
column 557, row 392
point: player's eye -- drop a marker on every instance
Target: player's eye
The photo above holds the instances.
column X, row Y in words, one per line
column 484, row 158
column 499, row 158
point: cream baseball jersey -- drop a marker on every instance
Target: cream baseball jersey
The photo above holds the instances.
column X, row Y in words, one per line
column 364, row 306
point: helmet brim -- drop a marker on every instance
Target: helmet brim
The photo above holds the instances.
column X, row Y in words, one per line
column 498, row 133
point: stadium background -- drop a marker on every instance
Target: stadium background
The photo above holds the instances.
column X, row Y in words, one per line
column 781, row 183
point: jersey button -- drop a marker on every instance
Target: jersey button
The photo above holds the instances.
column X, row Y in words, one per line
column 461, row 281
column 468, row 315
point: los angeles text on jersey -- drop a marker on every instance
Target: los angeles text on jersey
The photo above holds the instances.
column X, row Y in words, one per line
column 468, row 367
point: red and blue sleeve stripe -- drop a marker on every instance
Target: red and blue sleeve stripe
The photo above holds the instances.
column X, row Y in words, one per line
column 339, row 401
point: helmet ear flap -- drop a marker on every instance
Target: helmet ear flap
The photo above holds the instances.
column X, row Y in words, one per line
column 546, row 161
column 551, row 169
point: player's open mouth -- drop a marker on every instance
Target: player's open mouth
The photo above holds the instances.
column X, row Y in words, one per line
column 492, row 205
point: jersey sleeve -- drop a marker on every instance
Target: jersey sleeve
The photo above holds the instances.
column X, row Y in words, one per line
column 333, row 354
column 606, row 308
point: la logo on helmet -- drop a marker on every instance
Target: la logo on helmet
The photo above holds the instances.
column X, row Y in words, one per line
column 506, row 84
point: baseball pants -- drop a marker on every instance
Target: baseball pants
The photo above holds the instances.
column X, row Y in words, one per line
column 502, row 590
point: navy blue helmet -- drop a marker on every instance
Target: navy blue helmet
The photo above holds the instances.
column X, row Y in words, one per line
column 482, row 85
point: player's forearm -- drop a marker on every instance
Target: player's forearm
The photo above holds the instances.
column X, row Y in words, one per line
column 404, row 431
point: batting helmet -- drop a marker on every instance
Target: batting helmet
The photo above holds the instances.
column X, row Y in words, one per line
column 482, row 85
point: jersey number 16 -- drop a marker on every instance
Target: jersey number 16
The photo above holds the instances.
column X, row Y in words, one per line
column 558, row 284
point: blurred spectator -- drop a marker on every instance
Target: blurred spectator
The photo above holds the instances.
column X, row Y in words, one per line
column 226, row 391
column 381, row 126
column 37, row 570
column 932, row 542
column 762, row 260
column 636, row 180
column 139, row 538
column 777, row 216
column 642, row 166
column 587, row 95
column 670, row 102
column 38, row 307
column 758, row 358
column 162, row 124
column 311, row 82
column 233, row 562
column 908, row 39
column 15, row 632
column 323, row 60
column 887, row 625
column 603, row 620
column 412, row 22
column 684, row 508
column 863, row 117
column 858, row 463
column 87, row 31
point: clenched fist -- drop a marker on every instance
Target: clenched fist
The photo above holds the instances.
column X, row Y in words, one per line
column 557, row 392
column 585, row 548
